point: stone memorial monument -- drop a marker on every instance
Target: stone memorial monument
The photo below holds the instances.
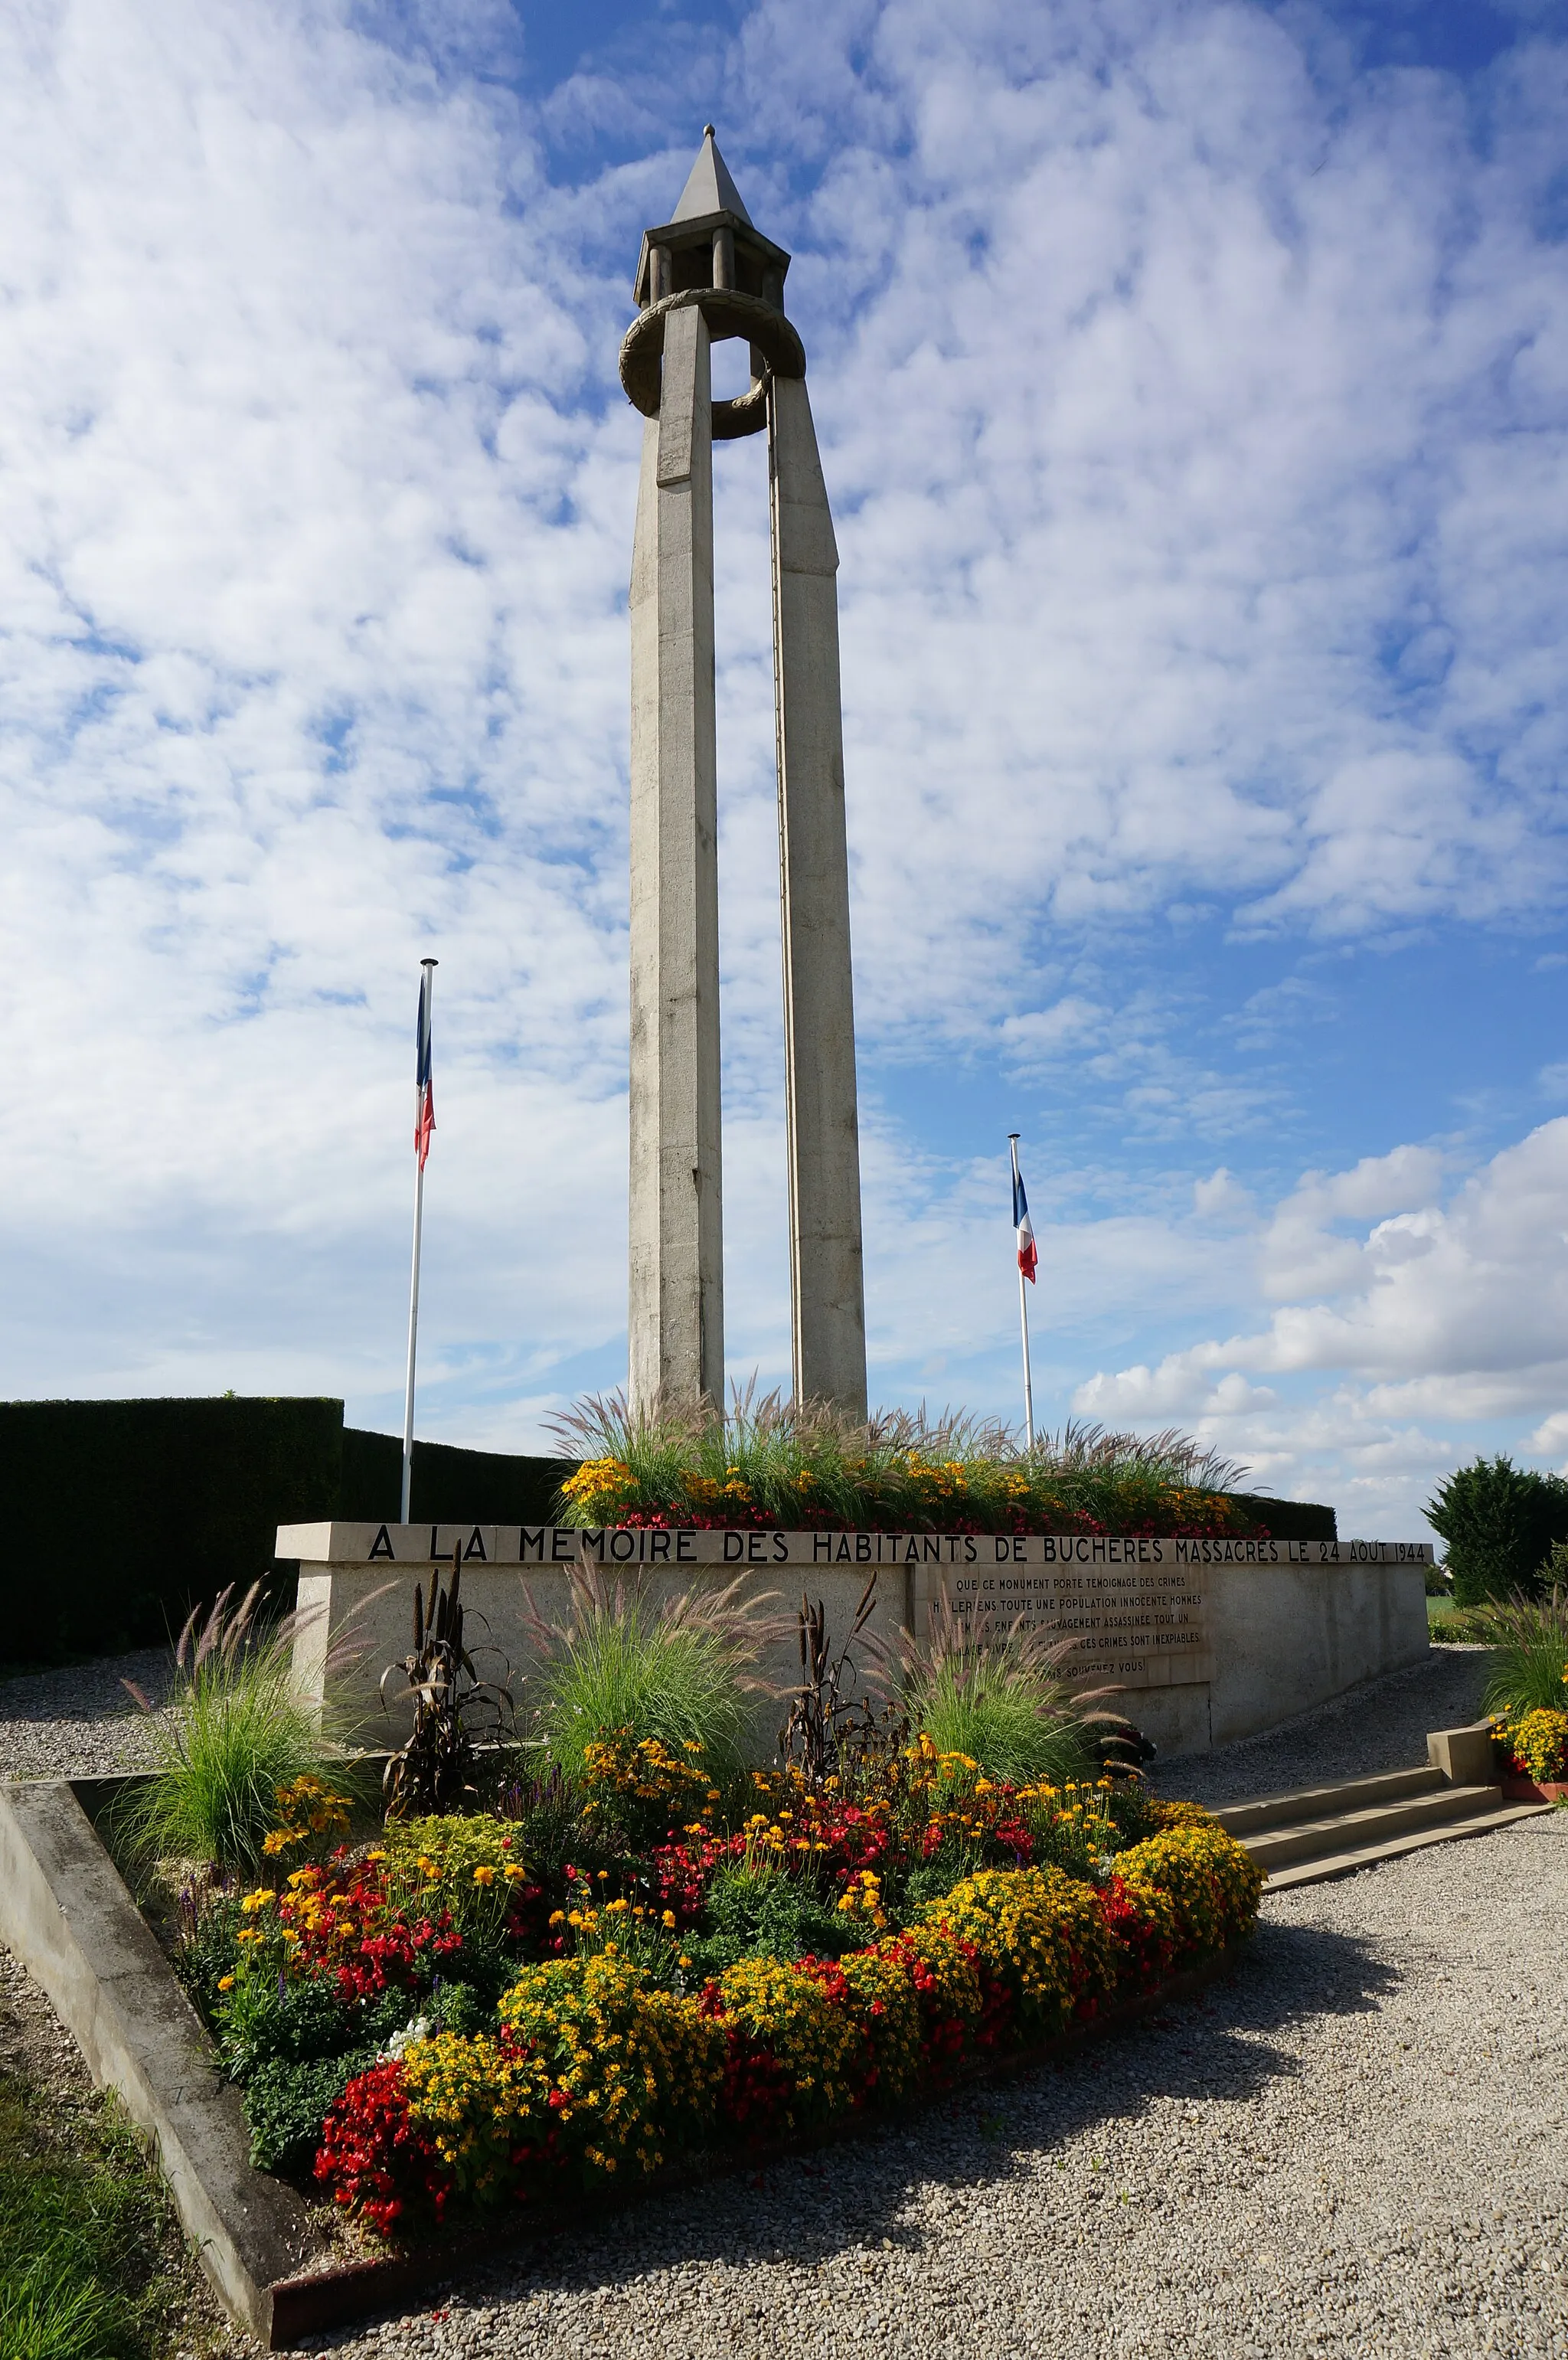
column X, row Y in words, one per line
column 705, row 275
column 1208, row 1640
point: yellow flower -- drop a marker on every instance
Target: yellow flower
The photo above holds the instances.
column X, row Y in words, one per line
column 226, row 1983
column 483, row 1875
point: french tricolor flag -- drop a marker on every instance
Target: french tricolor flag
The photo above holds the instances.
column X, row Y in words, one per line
column 1029, row 1255
column 424, row 1089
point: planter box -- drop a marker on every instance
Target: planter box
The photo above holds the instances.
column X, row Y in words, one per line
column 1527, row 1790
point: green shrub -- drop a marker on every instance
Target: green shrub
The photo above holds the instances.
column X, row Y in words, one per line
column 287, row 2103
column 1499, row 1522
column 233, row 1735
column 759, row 1912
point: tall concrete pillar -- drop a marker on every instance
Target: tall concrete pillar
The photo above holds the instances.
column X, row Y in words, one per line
column 677, row 1279
column 822, row 1121
column 709, row 273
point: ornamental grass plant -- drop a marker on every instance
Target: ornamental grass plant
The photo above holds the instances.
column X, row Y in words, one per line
column 665, row 1682
column 232, row 1736
column 1529, row 1635
column 772, row 1462
column 995, row 1693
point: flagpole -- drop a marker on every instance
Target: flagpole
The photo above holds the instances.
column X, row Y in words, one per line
column 428, row 982
column 1023, row 1322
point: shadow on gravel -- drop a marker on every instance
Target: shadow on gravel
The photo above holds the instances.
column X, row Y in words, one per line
column 806, row 2212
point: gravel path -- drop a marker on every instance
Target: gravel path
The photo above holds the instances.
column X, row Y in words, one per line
column 1381, row 1725
column 79, row 1723
column 1359, row 2147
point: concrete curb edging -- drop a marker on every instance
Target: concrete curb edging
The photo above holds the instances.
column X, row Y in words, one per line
column 67, row 1914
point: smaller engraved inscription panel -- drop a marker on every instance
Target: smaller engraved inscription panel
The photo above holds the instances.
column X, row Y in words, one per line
column 1139, row 1625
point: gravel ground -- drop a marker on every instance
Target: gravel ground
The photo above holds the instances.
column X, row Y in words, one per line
column 79, row 1723
column 1359, row 2147
column 1381, row 1725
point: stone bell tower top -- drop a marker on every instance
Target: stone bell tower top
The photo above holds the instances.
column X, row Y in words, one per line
column 710, row 240
column 712, row 256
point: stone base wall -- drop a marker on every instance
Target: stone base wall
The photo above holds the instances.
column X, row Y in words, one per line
column 1207, row 1641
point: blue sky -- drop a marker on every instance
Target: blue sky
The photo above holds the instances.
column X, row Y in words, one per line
column 1192, row 383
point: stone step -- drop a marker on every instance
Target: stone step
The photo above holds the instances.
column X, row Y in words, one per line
column 1366, row 1855
column 1346, row 1830
column 1324, row 1802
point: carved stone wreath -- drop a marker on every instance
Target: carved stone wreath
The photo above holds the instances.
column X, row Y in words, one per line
column 729, row 313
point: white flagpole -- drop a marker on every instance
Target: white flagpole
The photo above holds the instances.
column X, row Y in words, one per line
column 1023, row 1322
column 427, row 996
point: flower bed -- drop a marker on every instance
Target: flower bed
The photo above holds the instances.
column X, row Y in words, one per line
column 577, row 1988
column 1532, row 1747
column 1531, row 1751
column 768, row 1464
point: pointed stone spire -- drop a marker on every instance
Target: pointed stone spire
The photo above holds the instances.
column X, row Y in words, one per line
column 710, row 188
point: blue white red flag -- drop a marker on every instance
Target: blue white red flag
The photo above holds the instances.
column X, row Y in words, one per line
column 1029, row 1256
column 424, row 1088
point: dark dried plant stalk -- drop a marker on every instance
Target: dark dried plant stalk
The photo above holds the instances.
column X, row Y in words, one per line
column 454, row 1709
column 828, row 1723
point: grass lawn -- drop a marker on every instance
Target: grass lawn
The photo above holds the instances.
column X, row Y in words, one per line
column 93, row 2264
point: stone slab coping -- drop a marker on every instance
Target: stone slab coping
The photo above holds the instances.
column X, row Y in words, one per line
column 1463, row 1755
column 67, row 1914
column 654, row 1547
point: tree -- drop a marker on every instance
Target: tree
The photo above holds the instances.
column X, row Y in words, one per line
column 1499, row 1522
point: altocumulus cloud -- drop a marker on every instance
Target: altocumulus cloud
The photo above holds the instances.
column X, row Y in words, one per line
column 1188, row 394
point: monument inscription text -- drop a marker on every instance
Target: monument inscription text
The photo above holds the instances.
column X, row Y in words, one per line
column 1138, row 1625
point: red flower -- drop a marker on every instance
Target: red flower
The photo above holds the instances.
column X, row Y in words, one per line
column 372, row 2155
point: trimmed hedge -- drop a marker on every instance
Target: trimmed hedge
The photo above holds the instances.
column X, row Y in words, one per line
column 1291, row 1520
column 451, row 1486
column 119, row 1516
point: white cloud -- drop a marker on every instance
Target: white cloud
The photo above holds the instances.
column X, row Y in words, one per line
column 1451, row 1312
column 1221, row 1197
column 1186, row 422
